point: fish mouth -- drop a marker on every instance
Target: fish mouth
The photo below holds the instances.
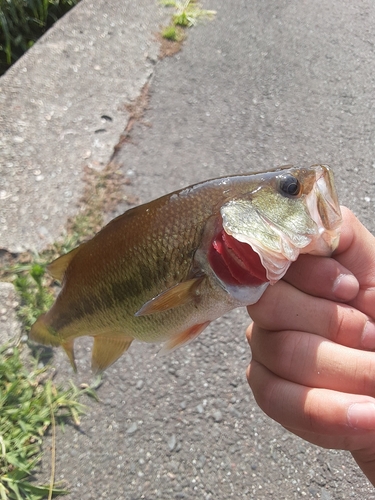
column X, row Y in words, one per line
column 278, row 246
column 324, row 208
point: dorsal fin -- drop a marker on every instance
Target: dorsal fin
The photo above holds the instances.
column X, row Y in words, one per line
column 58, row 267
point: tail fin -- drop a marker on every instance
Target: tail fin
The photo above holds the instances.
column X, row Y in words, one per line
column 42, row 334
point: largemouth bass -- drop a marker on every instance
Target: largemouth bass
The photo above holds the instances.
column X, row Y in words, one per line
column 162, row 271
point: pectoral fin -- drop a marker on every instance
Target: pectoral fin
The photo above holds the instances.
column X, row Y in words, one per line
column 107, row 350
column 183, row 338
column 173, row 297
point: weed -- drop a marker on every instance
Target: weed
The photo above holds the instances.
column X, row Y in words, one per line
column 30, row 404
column 172, row 33
column 30, row 283
column 186, row 15
column 22, row 22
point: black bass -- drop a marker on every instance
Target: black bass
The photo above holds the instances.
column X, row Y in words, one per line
column 162, row 271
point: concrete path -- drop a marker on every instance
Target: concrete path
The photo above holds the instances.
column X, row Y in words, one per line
column 63, row 108
column 265, row 83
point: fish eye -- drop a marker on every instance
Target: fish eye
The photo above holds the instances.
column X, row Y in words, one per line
column 289, row 185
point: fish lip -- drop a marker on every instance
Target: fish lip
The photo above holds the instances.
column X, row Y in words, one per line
column 328, row 216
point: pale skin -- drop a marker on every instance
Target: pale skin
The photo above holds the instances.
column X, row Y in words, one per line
column 313, row 343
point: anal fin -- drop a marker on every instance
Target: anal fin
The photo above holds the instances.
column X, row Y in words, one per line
column 107, row 350
column 183, row 338
column 175, row 296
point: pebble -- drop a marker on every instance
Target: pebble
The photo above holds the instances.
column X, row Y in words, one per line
column 218, row 416
column 139, row 384
column 133, row 427
column 325, row 495
column 172, row 442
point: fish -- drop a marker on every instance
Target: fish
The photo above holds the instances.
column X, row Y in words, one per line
column 163, row 271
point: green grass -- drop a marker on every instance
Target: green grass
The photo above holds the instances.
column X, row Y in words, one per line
column 30, row 406
column 30, row 283
column 30, row 403
column 172, row 33
column 186, row 14
column 23, row 22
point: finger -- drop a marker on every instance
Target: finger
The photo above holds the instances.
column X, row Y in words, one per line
column 314, row 411
column 312, row 361
column 356, row 252
column 355, row 443
column 365, row 458
column 354, row 238
column 337, row 322
column 361, row 446
column 322, row 277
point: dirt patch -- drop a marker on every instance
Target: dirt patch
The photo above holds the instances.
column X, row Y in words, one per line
column 169, row 48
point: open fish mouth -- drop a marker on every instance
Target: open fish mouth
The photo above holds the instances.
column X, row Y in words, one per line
column 328, row 217
column 280, row 240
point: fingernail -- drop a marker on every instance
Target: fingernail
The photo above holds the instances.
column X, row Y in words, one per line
column 368, row 335
column 345, row 287
column 361, row 416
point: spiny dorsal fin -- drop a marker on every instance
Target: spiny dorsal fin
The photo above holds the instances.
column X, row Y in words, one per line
column 175, row 296
column 107, row 350
column 58, row 267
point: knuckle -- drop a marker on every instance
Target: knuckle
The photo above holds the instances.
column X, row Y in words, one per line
column 346, row 326
column 262, row 386
column 336, row 325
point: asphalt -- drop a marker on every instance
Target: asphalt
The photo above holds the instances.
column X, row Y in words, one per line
column 263, row 84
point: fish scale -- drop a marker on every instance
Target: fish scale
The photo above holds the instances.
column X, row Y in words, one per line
column 158, row 274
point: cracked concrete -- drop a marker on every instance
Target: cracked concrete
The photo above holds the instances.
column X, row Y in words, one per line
column 63, row 107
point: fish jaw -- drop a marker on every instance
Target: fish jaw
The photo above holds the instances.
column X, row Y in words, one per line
column 325, row 209
column 278, row 246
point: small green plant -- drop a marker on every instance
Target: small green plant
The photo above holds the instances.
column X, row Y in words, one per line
column 30, row 405
column 186, row 15
column 172, row 33
column 30, row 283
column 22, row 22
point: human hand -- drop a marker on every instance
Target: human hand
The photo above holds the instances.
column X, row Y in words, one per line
column 312, row 368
